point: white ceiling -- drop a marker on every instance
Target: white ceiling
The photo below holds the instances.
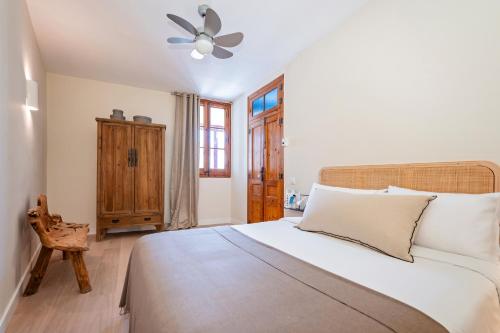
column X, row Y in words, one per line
column 124, row 41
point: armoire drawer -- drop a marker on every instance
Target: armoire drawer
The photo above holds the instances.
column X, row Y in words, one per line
column 130, row 220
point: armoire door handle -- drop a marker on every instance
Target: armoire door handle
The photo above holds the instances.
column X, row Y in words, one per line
column 130, row 158
column 136, row 158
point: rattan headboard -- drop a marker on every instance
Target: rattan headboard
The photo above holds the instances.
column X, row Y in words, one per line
column 451, row 177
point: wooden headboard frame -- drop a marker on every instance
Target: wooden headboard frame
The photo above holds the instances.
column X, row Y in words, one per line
column 451, row 177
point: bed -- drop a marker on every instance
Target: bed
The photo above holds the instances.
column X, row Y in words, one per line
column 272, row 277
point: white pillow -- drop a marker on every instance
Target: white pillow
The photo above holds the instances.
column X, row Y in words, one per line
column 466, row 224
column 346, row 189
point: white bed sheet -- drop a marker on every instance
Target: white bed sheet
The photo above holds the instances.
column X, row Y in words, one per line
column 461, row 293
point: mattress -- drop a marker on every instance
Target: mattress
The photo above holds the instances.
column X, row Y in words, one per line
column 459, row 292
column 219, row 280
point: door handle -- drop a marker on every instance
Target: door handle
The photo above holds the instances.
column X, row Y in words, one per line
column 130, row 158
column 262, row 170
column 134, row 157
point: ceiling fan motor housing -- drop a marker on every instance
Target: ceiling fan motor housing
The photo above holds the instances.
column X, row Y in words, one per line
column 202, row 10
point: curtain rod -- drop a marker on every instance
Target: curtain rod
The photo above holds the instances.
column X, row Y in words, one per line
column 177, row 93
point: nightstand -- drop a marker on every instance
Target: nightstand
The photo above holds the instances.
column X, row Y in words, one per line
column 292, row 212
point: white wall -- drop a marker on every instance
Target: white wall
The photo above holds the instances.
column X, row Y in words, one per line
column 22, row 149
column 400, row 81
column 214, row 206
column 73, row 105
column 239, row 135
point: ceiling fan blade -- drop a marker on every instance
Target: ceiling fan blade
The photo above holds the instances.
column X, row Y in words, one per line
column 212, row 22
column 183, row 23
column 221, row 53
column 230, row 40
column 179, row 40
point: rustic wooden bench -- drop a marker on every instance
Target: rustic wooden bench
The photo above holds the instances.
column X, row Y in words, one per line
column 55, row 234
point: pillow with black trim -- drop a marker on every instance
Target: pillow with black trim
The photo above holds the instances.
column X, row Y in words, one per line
column 382, row 222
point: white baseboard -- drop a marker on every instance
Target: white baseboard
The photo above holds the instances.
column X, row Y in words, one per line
column 221, row 220
column 11, row 306
column 235, row 221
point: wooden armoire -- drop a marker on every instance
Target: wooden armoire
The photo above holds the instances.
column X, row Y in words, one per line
column 130, row 174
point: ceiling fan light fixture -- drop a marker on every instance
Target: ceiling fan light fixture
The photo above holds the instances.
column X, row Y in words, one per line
column 205, row 37
column 196, row 55
column 204, row 44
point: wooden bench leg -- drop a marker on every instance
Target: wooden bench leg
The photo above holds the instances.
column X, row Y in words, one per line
column 38, row 271
column 82, row 276
column 159, row 227
column 65, row 255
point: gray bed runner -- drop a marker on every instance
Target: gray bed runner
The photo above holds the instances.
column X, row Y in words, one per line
column 219, row 280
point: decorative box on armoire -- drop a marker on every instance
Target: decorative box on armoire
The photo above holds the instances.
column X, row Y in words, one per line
column 130, row 174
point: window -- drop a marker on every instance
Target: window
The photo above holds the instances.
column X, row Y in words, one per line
column 271, row 99
column 215, row 139
column 266, row 100
column 258, row 106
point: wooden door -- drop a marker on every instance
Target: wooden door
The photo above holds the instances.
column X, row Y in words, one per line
column 256, row 135
column 273, row 174
column 116, row 172
column 148, row 171
column 265, row 153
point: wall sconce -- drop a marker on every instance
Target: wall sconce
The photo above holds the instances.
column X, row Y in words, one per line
column 31, row 95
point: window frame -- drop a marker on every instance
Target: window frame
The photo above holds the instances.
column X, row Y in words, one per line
column 261, row 93
column 206, row 172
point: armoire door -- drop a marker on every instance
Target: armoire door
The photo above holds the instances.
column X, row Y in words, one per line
column 256, row 135
column 148, row 171
column 117, row 175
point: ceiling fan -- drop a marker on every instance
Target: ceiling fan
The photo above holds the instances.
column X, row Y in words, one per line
column 204, row 39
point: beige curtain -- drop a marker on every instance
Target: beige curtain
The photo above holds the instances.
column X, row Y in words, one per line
column 185, row 172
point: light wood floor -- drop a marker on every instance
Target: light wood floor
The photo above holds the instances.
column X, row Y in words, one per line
column 58, row 307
